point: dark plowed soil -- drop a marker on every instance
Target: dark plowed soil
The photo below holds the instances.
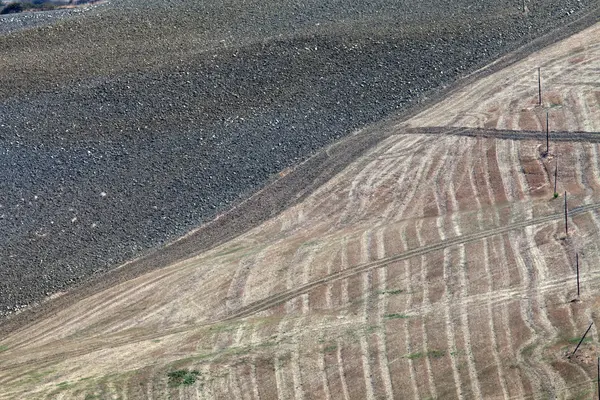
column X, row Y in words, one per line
column 127, row 125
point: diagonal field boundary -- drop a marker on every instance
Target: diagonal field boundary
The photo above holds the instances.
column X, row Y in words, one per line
column 96, row 344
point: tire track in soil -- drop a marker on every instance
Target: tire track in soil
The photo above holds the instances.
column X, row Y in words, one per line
column 362, row 171
column 323, row 372
column 491, row 325
column 399, row 212
column 537, row 262
column 540, row 375
column 425, row 303
column 448, row 295
column 365, row 246
column 501, row 254
column 381, row 310
column 490, row 288
column 411, row 367
column 464, row 314
column 513, row 191
column 444, row 176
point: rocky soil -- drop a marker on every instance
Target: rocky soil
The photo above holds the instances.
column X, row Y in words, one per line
column 125, row 126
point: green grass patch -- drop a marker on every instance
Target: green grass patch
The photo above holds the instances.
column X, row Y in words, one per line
column 3, row 347
column 528, row 350
column 396, row 316
column 182, row 377
column 431, row 353
column 436, row 353
column 391, row 291
column 331, row 348
column 414, row 356
column 582, row 395
column 310, row 243
column 576, row 340
column 224, row 327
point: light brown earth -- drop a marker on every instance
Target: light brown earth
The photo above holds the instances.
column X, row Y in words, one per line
column 433, row 266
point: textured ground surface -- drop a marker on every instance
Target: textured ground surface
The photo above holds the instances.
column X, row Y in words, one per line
column 127, row 124
column 435, row 265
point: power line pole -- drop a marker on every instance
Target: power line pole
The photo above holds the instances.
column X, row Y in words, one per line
column 583, row 337
column 547, row 135
column 555, row 177
column 577, row 266
column 566, row 216
column 539, row 86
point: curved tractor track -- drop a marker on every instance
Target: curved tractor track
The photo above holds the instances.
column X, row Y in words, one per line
column 436, row 264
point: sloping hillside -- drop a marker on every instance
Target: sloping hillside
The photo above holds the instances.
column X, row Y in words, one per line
column 126, row 125
column 432, row 266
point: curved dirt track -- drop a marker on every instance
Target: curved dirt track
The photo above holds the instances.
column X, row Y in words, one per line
column 434, row 265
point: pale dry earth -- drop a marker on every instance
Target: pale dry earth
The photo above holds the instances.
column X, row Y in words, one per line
column 509, row 99
column 433, row 266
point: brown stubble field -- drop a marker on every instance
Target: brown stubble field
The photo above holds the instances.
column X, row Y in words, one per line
column 433, row 266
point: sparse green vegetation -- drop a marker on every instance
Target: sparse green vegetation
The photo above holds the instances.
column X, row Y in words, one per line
column 391, row 291
column 584, row 394
column 528, row 350
column 431, row 353
column 436, row 353
column 576, row 340
column 396, row 316
column 414, row 356
column 182, row 377
column 555, row 195
column 330, row 348
column 3, row 347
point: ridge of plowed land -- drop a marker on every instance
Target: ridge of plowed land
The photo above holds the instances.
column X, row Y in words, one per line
column 434, row 265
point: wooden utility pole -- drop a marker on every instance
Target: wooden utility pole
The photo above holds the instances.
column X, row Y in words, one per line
column 566, row 216
column 555, row 177
column 539, row 86
column 577, row 266
column 581, row 341
column 547, row 135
